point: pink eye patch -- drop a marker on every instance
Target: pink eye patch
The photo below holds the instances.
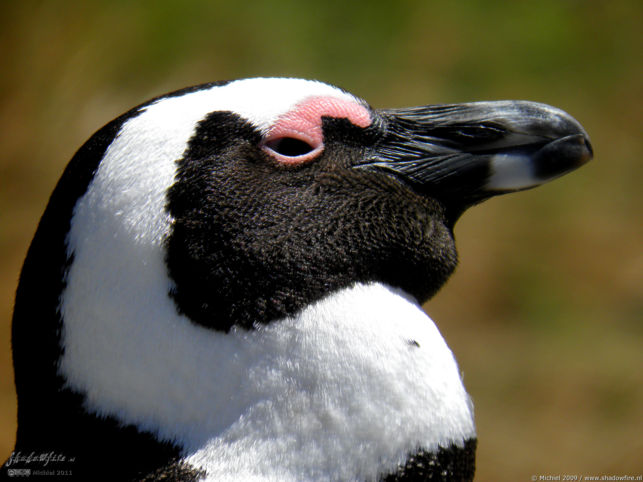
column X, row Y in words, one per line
column 297, row 136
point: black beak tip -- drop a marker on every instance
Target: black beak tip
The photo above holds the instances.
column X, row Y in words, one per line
column 588, row 153
column 562, row 156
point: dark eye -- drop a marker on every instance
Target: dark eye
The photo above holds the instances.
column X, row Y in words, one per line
column 289, row 146
column 292, row 150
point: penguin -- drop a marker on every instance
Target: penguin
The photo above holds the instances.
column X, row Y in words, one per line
column 227, row 281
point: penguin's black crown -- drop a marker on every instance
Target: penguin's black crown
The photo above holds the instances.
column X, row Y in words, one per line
column 226, row 284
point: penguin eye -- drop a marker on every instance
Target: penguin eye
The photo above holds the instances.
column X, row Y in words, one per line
column 292, row 150
column 289, row 146
column 297, row 136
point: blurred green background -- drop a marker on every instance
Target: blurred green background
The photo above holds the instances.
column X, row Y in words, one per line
column 545, row 312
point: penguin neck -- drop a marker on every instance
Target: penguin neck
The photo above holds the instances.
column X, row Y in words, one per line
column 352, row 370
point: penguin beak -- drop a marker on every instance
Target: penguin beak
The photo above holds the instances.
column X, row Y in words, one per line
column 462, row 154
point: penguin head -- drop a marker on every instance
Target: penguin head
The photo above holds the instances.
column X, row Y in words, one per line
column 308, row 189
column 232, row 205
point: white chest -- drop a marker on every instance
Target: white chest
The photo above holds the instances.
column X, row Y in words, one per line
column 344, row 390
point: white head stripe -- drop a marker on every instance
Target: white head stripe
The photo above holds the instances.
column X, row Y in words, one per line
column 260, row 100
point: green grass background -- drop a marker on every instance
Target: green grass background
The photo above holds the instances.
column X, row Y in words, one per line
column 545, row 312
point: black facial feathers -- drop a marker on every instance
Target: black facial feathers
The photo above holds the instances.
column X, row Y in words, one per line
column 254, row 241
